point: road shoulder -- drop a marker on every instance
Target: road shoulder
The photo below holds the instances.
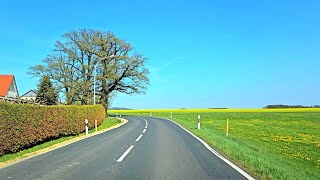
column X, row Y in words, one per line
column 216, row 153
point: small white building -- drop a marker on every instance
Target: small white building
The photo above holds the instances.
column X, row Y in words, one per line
column 30, row 95
column 8, row 86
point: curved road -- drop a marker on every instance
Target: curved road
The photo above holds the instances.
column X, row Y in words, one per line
column 144, row 148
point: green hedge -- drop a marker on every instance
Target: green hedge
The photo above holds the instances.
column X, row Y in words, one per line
column 24, row 125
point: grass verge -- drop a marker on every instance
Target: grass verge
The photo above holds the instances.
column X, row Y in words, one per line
column 107, row 123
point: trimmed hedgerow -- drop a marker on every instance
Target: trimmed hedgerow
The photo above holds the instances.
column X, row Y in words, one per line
column 24, row 125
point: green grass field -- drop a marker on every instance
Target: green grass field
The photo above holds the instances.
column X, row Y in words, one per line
column 271, row 143
column 108, row 122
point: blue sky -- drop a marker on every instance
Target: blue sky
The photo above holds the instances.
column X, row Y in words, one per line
column 236, row 54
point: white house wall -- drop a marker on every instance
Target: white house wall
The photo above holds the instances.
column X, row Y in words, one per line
column 28, row 98
column 13, row 93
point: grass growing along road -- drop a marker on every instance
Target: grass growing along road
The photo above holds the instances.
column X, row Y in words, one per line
column 273, row 144
column 108, row 122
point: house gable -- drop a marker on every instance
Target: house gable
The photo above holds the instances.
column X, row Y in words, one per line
column 30, row 93
column 8, row 86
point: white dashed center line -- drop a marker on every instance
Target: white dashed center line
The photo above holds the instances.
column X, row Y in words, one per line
column 125, row 153
column 131, row 147
column 139, row 138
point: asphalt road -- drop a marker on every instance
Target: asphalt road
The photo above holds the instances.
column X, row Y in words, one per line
column 164, row 151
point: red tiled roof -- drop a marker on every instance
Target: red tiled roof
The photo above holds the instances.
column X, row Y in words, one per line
column 5, row 82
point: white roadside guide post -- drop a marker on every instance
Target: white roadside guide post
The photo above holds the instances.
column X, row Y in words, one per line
column 86, row 126
column 170, row 115
column 199, row 121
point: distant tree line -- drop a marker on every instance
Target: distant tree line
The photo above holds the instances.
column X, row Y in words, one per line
column 289, row 106
column 217, row 108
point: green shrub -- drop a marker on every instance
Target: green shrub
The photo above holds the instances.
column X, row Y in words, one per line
column 24, row 125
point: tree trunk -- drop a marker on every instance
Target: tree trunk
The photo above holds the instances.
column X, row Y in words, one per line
column 104, row 95
column 105, row 91
column 105, row 105
column 68, row 96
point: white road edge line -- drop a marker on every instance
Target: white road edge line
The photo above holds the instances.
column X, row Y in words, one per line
column 139, row 138
column 125, row 153
column 246, row 175
column 144, row 131
column 146, row 127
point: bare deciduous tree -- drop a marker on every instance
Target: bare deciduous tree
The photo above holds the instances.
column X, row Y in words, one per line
column 71, row 67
